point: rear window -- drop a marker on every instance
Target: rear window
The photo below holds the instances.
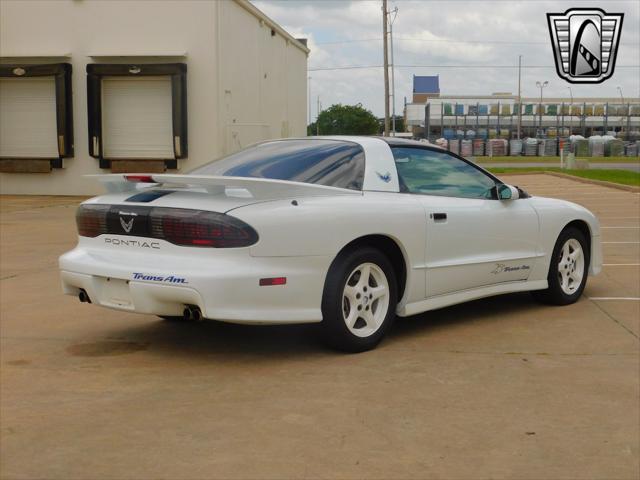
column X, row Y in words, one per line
column 324, row 162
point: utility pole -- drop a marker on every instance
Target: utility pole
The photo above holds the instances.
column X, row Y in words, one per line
column 386, row 68
column 318, row 118
column 393, row 74
column 519, row 95
column 309, row 100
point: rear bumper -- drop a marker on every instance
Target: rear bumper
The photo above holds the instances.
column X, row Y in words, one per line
column 224, row 288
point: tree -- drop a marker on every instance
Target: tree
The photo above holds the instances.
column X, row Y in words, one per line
column 345, row 120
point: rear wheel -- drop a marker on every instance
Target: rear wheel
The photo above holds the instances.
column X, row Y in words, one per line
column 568, row 270
column 359, row 300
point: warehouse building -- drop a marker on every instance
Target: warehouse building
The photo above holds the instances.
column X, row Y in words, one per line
column 139, row 86
column 497, row 115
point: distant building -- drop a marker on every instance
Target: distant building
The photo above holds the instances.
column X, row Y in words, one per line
column 496, row 115
column 425, row 87
column 139, row 86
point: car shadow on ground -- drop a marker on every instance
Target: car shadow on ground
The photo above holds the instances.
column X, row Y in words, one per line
column 484, row 309
column 179, row 338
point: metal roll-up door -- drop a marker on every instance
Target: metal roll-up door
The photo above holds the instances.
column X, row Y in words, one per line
column 137, row 118
column 28, row 127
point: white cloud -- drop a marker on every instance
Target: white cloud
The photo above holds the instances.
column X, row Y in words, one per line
column 486, row 33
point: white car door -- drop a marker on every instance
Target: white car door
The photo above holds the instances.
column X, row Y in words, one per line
column 472, row 238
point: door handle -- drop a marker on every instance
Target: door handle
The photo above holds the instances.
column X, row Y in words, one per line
column 439, row 217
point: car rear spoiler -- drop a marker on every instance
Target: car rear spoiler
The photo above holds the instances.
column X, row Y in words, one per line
column 258, row 188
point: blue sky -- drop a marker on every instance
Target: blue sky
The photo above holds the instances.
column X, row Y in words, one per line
column 477, row 34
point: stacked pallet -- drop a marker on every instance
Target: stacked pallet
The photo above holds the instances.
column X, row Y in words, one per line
column 442, row 142
column 478, row 147
column 531, row 147
column 579, row 145
column 631, row 149
column 515, row 147
column 497, row 147
column 596, row 146
column 547, row 147
column 466, row 148
column 614, row 148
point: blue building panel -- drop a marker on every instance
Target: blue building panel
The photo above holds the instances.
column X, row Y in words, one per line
column 426, row 84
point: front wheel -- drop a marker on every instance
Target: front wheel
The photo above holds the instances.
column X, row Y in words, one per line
column 359, row 300
column 568, row 270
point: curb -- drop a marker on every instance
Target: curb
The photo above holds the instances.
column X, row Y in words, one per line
column 602, row 183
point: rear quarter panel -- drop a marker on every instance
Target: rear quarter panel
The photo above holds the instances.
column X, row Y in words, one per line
column 325, row 225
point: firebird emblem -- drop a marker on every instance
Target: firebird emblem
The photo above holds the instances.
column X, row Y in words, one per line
column 126, row 226
column 386, row 178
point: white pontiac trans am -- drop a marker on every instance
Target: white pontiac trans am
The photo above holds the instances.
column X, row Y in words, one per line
column 346, row 231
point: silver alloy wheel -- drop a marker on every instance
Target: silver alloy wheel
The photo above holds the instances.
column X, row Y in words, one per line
column 571, row 266
column 365, row 299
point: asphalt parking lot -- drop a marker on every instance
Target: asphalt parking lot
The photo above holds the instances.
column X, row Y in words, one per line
column 497, row 388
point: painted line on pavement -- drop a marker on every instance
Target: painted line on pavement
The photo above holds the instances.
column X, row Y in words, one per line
column 615, row 298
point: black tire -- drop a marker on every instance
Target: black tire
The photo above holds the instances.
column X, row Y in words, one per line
column 554, row 294
column 334, row 326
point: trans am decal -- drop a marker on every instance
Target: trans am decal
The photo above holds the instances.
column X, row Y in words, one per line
column 502, row 268
column 159, row 278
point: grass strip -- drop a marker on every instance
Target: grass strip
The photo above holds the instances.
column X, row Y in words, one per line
column 624, row 177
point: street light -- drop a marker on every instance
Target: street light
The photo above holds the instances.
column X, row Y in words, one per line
column 619, row 88
column 570, row 111
column 541, row 86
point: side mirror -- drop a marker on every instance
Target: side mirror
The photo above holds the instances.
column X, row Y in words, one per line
column 507, row 192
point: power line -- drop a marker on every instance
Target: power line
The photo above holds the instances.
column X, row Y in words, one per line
column 357, row 67
column 443, row 40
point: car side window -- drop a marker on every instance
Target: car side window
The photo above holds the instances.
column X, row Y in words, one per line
column 429, row 172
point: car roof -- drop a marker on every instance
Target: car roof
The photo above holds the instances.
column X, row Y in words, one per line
column 391, row 141
column 404, row 142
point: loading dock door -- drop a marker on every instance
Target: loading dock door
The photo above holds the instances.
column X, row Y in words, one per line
column 137, row 118
column 28, row 127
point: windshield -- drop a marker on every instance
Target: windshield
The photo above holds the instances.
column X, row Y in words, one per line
column 324, row 162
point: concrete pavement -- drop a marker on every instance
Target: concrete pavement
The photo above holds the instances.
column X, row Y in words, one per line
column 497, row 388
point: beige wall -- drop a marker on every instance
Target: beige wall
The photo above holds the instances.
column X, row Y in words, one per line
column 227, row 49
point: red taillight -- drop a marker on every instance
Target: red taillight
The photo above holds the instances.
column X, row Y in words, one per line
column 92, row 220
column 265, row 282
column 180, row 226
column 140, row 178
column 200, row 229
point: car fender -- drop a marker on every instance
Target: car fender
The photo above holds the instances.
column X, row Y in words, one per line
column 554, row 215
